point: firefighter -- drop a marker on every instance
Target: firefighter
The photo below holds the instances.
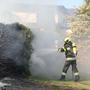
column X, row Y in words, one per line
column 70, row 50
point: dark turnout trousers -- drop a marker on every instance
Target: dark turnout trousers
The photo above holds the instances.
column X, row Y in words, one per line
column 74, row 69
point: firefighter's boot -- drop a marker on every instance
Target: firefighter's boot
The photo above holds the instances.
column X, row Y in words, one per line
column 62, row 77
column 77, row 78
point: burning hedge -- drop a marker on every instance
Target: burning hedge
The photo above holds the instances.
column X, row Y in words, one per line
column 15, row 49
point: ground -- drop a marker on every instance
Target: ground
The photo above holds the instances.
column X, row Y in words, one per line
column 35, row 84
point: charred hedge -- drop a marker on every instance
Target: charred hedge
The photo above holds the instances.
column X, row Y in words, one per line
column 15, row 50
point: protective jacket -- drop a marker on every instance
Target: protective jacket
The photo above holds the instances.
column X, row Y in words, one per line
column 70, row 50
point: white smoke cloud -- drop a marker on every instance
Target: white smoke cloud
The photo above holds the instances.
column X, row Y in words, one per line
column 44, row 2
column 47, row 62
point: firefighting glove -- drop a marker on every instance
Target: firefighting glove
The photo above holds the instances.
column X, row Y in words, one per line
column 59, row 49
column 62, row 50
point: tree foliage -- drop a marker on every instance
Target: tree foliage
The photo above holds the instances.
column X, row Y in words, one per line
column 80, row 26
column 80, row 22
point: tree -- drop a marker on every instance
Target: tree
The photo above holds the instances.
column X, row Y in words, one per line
column 80, row 22
column 80, row 26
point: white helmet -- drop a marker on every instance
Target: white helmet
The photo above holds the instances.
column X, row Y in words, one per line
column 67, row 39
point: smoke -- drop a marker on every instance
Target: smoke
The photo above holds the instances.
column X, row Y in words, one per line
column 40, row 2
column 84, row 61
column 47, row 62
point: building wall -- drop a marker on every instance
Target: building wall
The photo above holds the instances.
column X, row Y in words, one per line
column 45, row 16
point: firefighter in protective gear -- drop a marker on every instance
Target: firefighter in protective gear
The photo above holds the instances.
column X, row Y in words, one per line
column 70, row 50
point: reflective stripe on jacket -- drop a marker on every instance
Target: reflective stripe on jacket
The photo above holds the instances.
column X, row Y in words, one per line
column 70, row 58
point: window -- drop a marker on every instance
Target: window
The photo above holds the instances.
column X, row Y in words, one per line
column 32, row 18
column 56, row 19
column 42, row 29
column 27, row 17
